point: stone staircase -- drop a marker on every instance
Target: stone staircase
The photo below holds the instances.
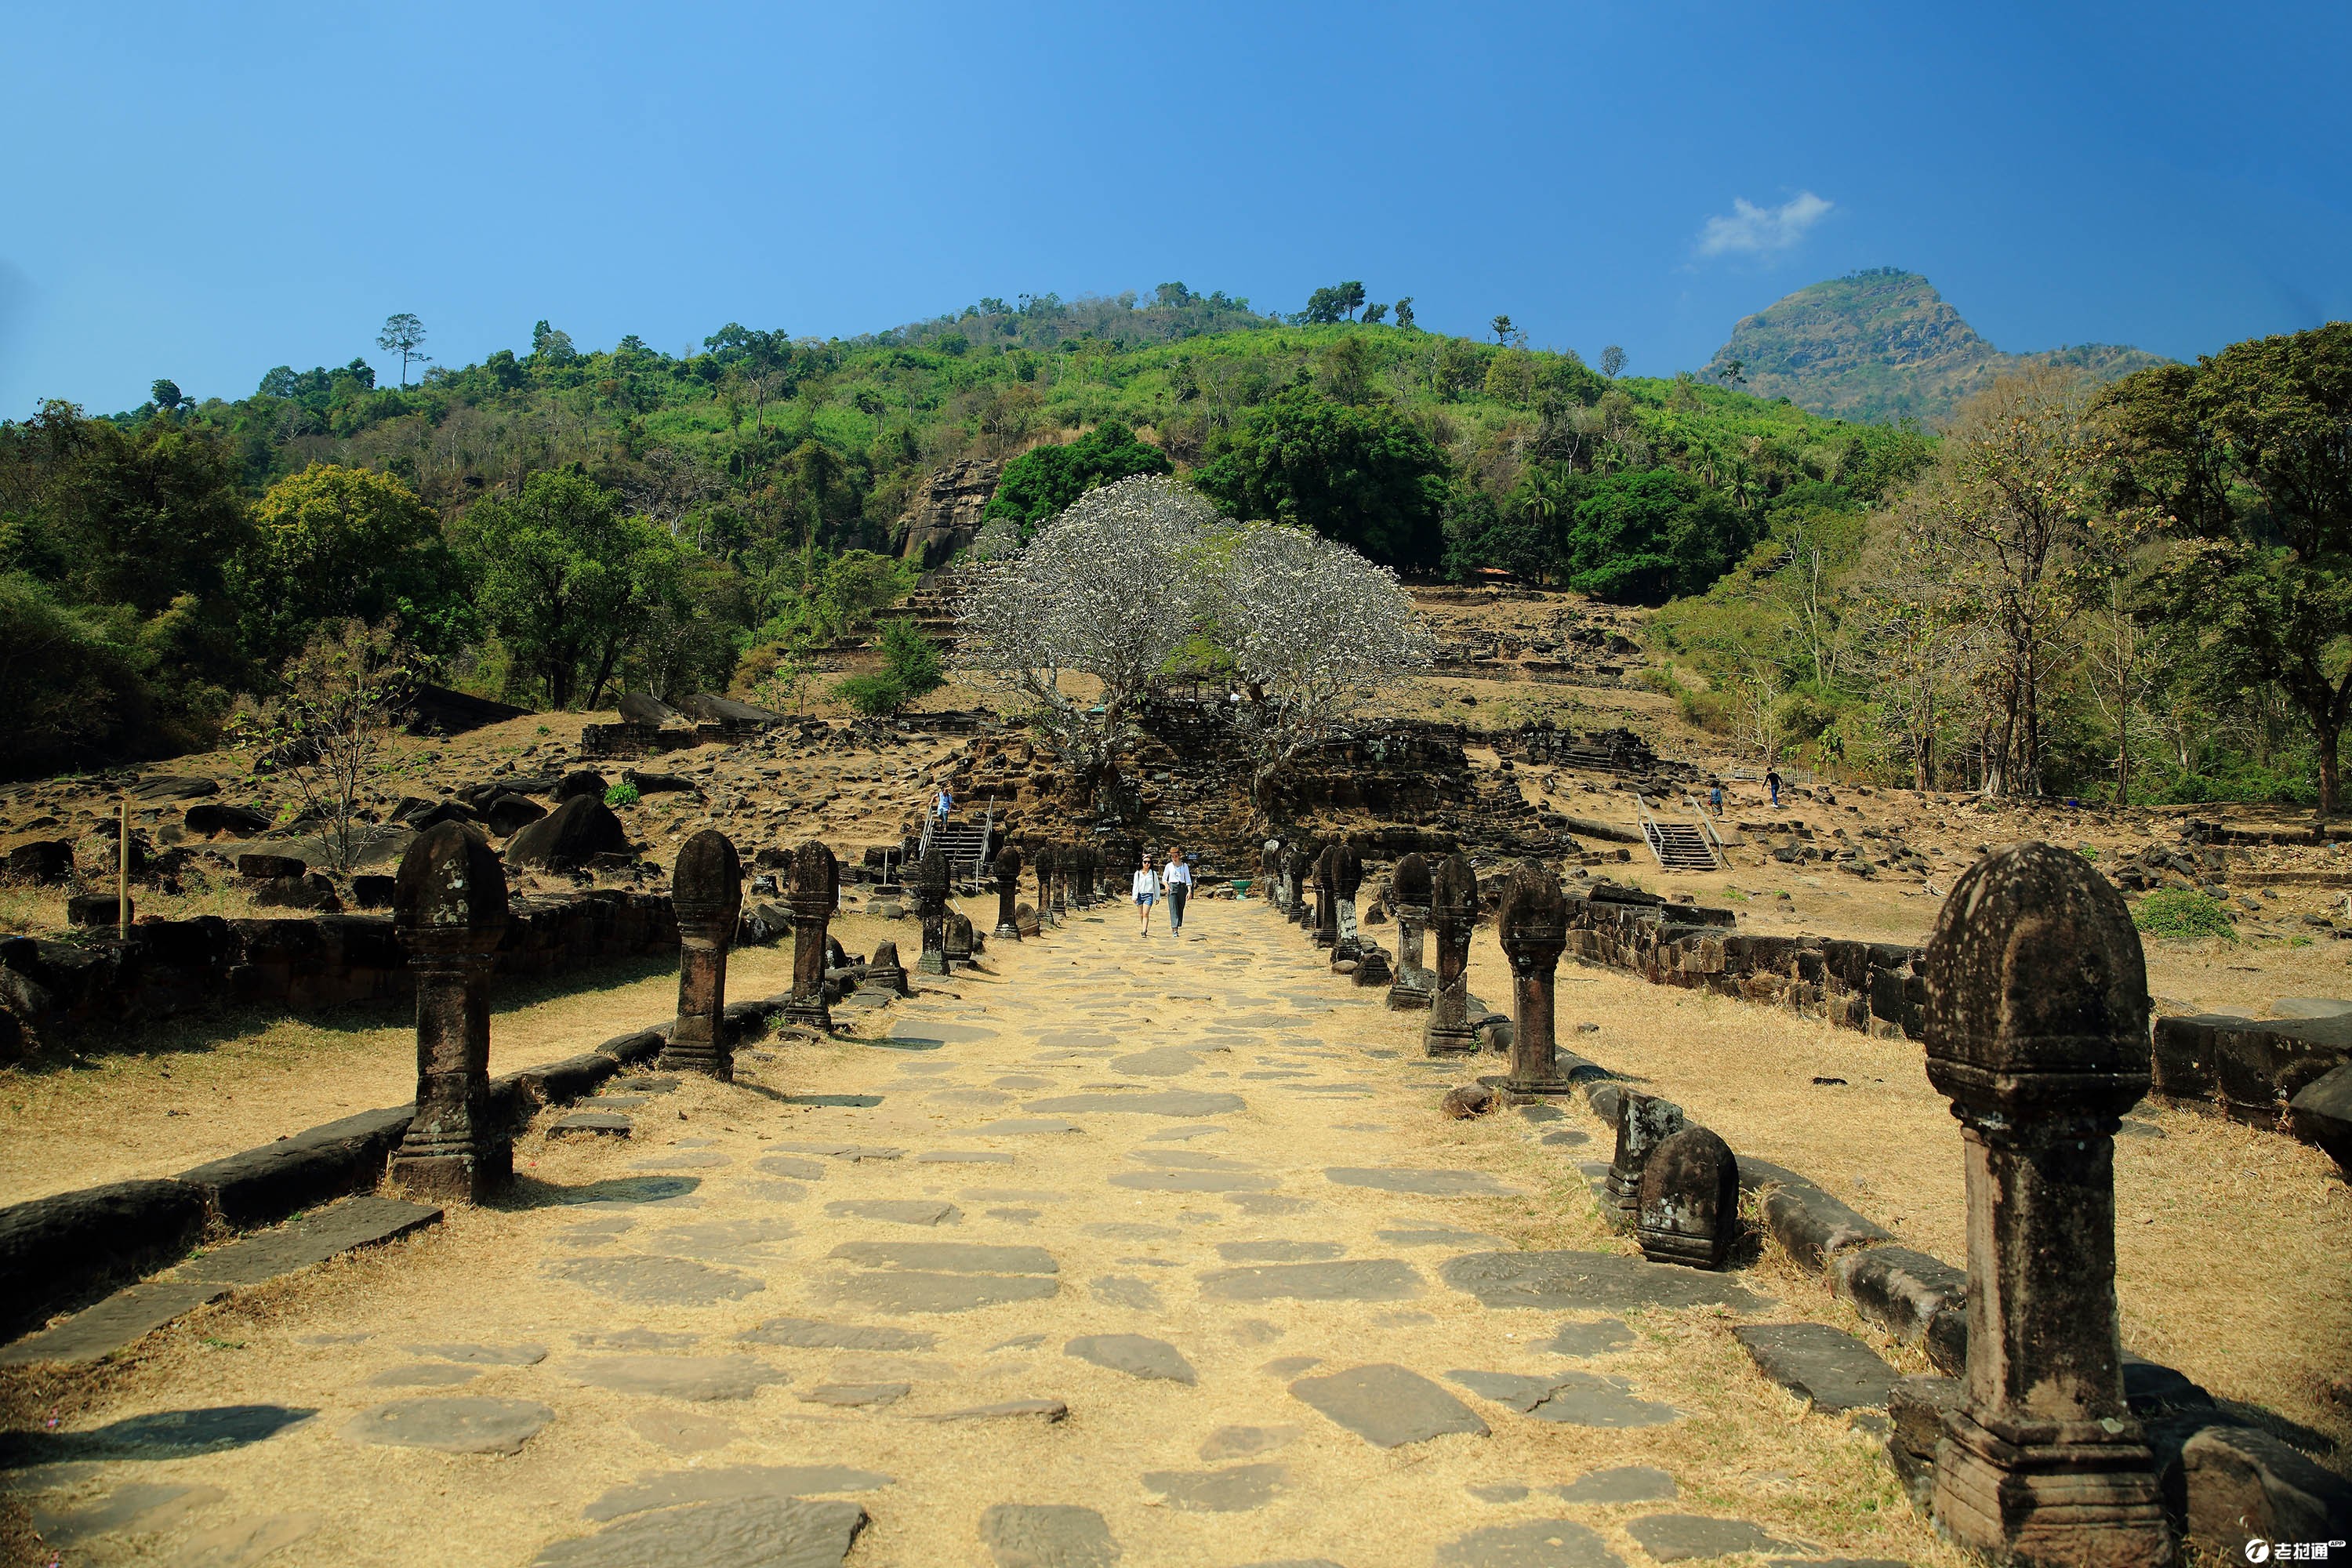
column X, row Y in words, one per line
column 1679, row 846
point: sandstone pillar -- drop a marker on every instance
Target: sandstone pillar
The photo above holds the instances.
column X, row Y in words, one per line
column 1347, row 880
column 956, row 939
column 1533, row 926
column 1643, row 1122
column 1302, row 889
column 931, row 905
column 1269, row 873
column 449, row 908
column 1327, row 897
column 1008, row 892
column 1453, row 914
column 817, row 881
column 1044, row 864
column 1408, row 895
column 707, row 890
column 2036, row 1027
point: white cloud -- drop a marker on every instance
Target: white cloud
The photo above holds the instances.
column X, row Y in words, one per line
column 1759, row 231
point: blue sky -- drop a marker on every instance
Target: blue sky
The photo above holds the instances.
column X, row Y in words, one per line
column 204, row 192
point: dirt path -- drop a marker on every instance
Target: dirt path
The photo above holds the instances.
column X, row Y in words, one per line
column 1153, row 1251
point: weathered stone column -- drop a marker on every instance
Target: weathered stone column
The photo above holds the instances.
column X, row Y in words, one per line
column 1082, row 889
column 1644, row 1121
column 956, row 940
column 1327, row 897
column 1008, row 892
column 816, row 881
column 707, row 890
column 1065, row 868
column 1347, row 880
column 449, row 908
column 1408, row 895
column 2036, row 1027
column 931, row 906
column 1044, row 866
column 1533, row 927
column 1269, row 872
column 1453, row 914
column 1302, row 885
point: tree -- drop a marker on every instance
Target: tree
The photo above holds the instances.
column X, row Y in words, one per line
column 1502, row 327
column 1613, row 360
column 165, row 393
column 910, row 668
column 1735, row 373
column 1338, row 302
column 1313, row 630
column 1404, row 314
column 1644, row 537
column 330, row 724
column 1346, row 371
column 566, row 579
column 1108, row 592
column 549, row 345
column 403, row 334
column 1373, row 313
column 2020, row 480
column 2245, row 458
column 1365, row 476
column 1045, row 481
column 335, row 543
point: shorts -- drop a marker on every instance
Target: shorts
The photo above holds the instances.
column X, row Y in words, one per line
column 1145, row 900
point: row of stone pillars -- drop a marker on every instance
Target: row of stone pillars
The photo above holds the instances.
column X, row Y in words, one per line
column 450, row 911
column 2036, row 1030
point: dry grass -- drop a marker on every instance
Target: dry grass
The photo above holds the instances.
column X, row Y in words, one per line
column 2234, row 1246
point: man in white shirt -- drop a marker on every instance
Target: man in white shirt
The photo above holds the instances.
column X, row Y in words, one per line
column 1177, row 877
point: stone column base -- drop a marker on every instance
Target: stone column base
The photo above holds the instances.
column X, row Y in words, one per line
column 1528, row 1091
column 1407, row 996
column 2073, row 1493
column 698, row 1056
column 816, row 1015
column 1459, row 1041
column 932, row 963
column 1008, row 930
column 455, row 1175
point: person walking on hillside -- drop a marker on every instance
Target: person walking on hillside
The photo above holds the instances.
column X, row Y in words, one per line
column 943, row 804
column 1176, row 877
column 1147, row 889
column 1714, row 796
column 1772, row 783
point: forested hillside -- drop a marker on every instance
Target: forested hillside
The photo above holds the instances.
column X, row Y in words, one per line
column 554, row 524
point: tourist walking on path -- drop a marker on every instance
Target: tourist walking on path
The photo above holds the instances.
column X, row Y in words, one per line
column 1772, row 783
column 1177, row 877
column 1147, row 890
column 944, row 805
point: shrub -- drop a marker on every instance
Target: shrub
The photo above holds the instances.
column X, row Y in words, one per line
column 621, row 793
column 2183, row 913
column 875, row 696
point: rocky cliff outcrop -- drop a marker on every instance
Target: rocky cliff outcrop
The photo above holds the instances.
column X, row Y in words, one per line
column 947, row 517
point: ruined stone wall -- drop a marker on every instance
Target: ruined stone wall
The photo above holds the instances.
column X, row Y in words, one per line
column 1873, row 986
column 174, row 967
column 947, row 517
column 2248, row 1068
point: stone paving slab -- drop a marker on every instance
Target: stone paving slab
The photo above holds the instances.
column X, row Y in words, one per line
column 1602, row 1281
column 1352, row 1279
column 1388, row 1406
column 123, row 1319
column 716, row 1484
column 751, row 1533
column 1826, row 1366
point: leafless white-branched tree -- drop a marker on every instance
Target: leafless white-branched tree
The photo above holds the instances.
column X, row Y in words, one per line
column 1313, row 628
column 1110, row 589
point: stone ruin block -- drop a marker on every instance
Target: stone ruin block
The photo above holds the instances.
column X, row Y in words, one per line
column 1689, row 1205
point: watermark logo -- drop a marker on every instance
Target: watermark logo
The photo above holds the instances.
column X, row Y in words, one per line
column 2261, row 1551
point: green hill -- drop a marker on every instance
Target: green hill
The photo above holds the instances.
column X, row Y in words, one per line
column 722, row 505
column 1882, row 345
